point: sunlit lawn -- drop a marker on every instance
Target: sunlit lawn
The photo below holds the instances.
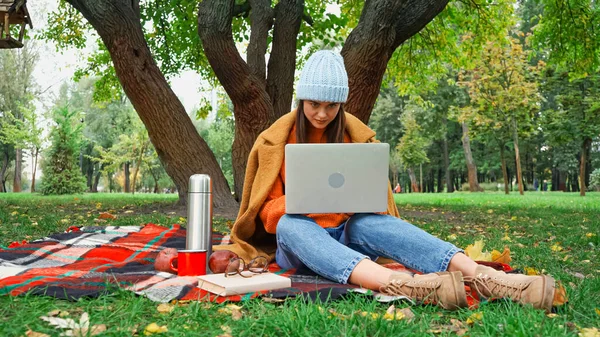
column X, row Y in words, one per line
column 553, row 232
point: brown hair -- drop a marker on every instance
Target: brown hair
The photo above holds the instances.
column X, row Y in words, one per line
column 334, row 131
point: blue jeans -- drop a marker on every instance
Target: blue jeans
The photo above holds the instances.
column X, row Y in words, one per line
column 334, row 252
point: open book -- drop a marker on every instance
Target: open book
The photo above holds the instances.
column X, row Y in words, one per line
column 237, row 285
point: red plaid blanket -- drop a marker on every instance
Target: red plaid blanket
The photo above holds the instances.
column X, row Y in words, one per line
column 91, row 261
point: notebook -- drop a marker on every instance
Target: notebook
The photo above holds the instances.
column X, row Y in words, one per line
column 336, row 178
column 237, row 285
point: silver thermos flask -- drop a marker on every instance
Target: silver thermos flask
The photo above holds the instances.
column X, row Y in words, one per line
column 200, row 211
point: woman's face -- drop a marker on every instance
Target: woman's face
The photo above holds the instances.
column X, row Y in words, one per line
column 320, row 114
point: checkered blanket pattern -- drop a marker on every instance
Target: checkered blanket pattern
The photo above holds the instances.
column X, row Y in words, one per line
column 91, row 261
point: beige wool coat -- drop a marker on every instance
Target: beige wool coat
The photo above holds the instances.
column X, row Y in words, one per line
column 264, row 164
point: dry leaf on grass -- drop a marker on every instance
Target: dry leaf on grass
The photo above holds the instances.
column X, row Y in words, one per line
column 75, row 329
column 475, row 252
column 106, row 215
column 165, row 308
column 597, row 311
column 233, row 310
column 475, row 317
column 456, row 327
column 560, row 295
column 31, row 333
column 503, row 257
column 392, row 314
column 589, row 332
column 154, row 328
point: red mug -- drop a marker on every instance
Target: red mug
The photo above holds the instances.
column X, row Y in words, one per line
column 189, row 263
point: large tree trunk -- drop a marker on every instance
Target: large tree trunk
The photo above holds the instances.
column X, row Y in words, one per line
column 282, row 61
column 97, row 179
column 413, row 181
column 252, row 106
column 138, row 164
column 517, row 156
column 34, row 161
column 450, row 188
column 179, row 146
column 5, row 163
column 18, row 170
column 383, row 26
column 504, row 168
column 471, row 167
column 584, row 151
column 126, row 172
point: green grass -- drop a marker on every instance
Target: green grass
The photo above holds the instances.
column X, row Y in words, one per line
column 544, row 231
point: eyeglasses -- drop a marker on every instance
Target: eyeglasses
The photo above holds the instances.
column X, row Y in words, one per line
column 237, row 265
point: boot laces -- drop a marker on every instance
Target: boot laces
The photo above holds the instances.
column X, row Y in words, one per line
column 496, row 287
column 419, row 291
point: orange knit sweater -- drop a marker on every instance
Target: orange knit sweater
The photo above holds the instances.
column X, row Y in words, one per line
column 274, row 207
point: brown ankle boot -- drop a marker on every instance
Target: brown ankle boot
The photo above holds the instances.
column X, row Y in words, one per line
column 445, row 289
column 536, row 290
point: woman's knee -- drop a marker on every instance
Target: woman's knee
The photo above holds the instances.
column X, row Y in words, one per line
column 287, row 226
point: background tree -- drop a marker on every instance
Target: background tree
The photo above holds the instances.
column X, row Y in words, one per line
column 412, row 147
column 504, row 94
column 61, row 172
column 576, row 117
column 17, row 90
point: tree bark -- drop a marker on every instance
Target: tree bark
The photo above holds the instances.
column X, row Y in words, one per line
column 18, row 170
column 252, row 106
column 413, row 181
column 138, row 164
column 179, row 146
column 383, row 26
column 5, row 162
column 126, row 187
column 582, row 166
column 97, row 179
column 449, row 185
column 517, row 156
column 471, row 167
column 282, row 61
column 504, row 168
column 34, row 160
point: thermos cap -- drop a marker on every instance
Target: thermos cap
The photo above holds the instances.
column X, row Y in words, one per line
column 199, row 183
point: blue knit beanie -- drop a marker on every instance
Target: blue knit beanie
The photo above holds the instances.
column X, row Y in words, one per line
column 323, row 78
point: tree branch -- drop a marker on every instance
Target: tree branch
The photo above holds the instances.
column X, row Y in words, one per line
column 261, row 21
column 242, row 9
column 308, row 19
column 282, row 62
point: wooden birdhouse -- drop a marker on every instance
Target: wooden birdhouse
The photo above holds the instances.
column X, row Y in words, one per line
column 13, row 13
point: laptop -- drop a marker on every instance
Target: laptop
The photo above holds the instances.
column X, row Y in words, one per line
column 336, row 178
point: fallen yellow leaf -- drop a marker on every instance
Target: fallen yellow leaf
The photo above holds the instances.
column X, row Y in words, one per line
column 476, row 252
column 393, row 314
column 531, row 271
column 475, row 317
column 589, row 332
column 154, row 328
column 556, row 247
column 165, row 308
column 589, row 235
column 451, row 237
column 597, row 311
